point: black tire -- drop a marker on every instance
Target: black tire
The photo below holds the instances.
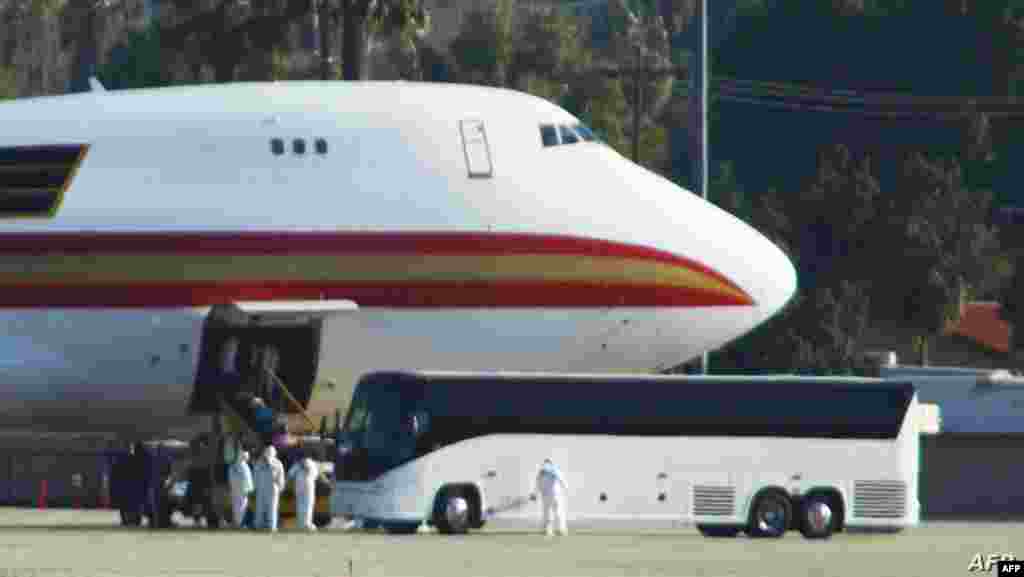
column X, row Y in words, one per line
column 130, row 518
column 812, row 524
column 719, row 531
column 771, row 516
column 321, row 520
column 452, row 511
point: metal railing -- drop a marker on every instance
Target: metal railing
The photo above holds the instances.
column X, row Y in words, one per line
column 291, row 399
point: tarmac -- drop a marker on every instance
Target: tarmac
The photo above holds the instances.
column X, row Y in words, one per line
column 70, row 543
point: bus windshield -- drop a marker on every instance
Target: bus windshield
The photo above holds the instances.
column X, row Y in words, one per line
column 380, row 431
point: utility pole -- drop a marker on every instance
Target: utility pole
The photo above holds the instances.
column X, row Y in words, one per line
column 636, row 107
column 700, row 90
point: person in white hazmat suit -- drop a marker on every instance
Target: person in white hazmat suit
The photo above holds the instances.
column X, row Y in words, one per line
column 269, row 481
column 304, row 472
column 553, row 491
column 240, row 479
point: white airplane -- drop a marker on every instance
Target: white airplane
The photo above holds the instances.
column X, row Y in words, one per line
column 354, row 226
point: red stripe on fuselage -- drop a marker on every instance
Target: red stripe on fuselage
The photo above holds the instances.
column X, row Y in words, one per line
column 260, row 243
column 391, row 295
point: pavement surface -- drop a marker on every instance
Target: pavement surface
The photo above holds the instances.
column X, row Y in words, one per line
column 37, row 543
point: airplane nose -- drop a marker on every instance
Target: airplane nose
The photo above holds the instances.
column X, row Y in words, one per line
column 748, row 258
column 728, row 246
column 771, row 277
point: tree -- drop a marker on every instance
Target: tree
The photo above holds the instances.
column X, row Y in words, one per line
column 826, row 230
column 950, row 246
column 547, row 45
column 1011, row 300
column 382, row 16
column 602, row 105
column 483, row 48
column 228, row 34
column 727, row 193
column 136, row 63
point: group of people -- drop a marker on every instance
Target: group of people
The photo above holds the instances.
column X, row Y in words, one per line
column 264, row 481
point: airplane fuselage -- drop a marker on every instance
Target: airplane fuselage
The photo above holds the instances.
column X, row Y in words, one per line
column 463, row 250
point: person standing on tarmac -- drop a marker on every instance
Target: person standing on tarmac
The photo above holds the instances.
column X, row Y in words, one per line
column 269, row 480
column 240, row 478
column 552, row 488
column 146, row 476
column 305, row 473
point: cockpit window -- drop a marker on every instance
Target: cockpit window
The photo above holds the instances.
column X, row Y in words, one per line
column 548, row 135
column 568, row 136
column 552, row 135
column 585, row 133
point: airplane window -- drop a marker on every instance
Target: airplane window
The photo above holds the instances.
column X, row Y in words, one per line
column 548, row 135
column 299, row 146
column 568, row 136
column 321, row 146
column 277, row 146
column 585, row 133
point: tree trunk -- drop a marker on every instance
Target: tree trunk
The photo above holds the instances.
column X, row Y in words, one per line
column 85, row 52
column 353, row 45
column 223, row 70
column 324, row 24
column 925, row 342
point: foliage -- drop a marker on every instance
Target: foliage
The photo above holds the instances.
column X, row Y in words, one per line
column 604, row 108
column 547, row 44
column 483, row 48
column 948, row 243
column 8, row 83
column 362, row 17
column 1011, row 299
column 826, row 228
column 726, row 191
column 136, row 63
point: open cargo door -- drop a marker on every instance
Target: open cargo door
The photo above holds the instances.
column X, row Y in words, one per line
column 284, row 335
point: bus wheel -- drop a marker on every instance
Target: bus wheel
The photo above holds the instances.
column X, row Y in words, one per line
column 452, row 514
column 321, row 520
column 817, row 520
column 719, row 530
column 130, row 518
column 771, row 515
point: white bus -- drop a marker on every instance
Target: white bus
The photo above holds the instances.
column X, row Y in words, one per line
column 759, row 455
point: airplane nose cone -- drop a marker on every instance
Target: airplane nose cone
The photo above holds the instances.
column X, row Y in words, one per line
column 751, row 260
column 730, row 247
column 776, row 281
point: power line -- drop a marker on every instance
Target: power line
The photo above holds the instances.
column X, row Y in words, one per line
column 805, row 97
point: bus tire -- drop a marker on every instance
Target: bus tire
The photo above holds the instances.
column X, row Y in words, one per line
column 771, row 515
column 453, row 514
column 130, row 518
column 719, row 531
column 321, row 520
column 819, row 516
